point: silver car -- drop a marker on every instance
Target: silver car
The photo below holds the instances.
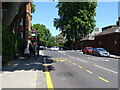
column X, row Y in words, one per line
column 100, row 52
column 54, row 48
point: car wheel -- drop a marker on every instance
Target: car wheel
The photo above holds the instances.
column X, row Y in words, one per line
column 98, row 55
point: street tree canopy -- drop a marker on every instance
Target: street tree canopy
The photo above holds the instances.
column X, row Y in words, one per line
column 43, row 33
column 45, row 38
column 76, row 19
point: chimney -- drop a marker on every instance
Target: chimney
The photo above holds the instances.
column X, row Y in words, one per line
column 96, row 29
column 118, row 22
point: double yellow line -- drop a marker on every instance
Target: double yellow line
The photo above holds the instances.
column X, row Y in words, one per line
column 48, row 77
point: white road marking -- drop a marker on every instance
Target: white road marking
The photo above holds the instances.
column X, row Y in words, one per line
column 61, row 51
column 97, row 59
column 106, row 60
column 107, row 69
column 71, row 57
column 82, row 60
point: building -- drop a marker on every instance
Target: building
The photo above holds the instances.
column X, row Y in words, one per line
column 109, row 38
column 16, row 19
column 89, row 40
column 16, row 16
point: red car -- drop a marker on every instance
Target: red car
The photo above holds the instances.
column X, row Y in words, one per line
column 87, row 50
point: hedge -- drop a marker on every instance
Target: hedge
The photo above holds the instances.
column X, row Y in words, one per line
column 11, row 45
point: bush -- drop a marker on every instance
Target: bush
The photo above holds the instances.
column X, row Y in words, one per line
column 11, row 45
column 8, row 44
column 21, row 44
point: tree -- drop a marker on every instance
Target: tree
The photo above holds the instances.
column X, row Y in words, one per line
column 32, row 9
column 43, row 33
column 60, row 40
column 76, row 19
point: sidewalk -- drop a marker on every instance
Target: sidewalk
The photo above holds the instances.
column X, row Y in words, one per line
column 23, row 73
column 114, row 56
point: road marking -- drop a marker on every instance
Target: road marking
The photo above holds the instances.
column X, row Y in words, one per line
column 51, row 58
column 57, row 60
column 71, row 56
column 107, row 69
column 89, row 71
column 80, row 66
column 69, row 61
column 106, row 60
column 74, row 63
column 62, row 60
column 48, row 78
column 82, row 60
column 46, row 65
column 103, row 79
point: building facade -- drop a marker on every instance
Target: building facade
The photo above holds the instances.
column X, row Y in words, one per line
column 89, row 40
column 109, row 40
column 16, row 16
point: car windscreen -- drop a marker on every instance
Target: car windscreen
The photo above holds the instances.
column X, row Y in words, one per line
column 101, row 49
column 90, row 48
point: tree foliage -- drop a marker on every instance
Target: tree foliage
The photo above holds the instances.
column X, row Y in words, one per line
column 45, row 38
column 11, row 45
column 32, row 7
column 76, row 19
column 60, row 40
column 43, row 33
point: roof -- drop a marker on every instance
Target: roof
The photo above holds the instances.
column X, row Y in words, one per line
column 90, row 36
column 109, row 31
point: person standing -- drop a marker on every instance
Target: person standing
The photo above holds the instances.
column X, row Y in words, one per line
column 31, row 50
column 27, row 52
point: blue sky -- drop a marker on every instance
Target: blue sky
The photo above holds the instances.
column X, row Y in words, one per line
column 106, row 14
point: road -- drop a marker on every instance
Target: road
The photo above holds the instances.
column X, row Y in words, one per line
column 70, row 69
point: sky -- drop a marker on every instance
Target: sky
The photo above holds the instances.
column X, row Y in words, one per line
column 106, row 14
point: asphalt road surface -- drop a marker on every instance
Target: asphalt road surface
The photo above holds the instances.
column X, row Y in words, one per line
column 70, row 69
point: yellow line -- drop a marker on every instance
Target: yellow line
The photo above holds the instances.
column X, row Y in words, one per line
column 48, row 78
column 103, row 79
column 89, row 71
column 74, row 63
column 80, row 66
column 69, row 61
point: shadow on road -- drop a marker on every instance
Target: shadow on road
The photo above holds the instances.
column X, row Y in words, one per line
column 49, row 63
column 29, row 64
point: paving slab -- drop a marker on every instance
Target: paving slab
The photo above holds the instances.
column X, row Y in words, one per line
column 24, row 74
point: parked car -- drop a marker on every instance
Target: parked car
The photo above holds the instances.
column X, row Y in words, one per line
column 41, row 47
column 54, row 48
column 87, row 50
column 100, row 52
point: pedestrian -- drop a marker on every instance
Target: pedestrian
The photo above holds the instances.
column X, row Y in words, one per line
column 31, row 50
column 27, row 52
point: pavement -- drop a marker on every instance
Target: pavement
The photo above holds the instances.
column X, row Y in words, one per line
column 114, row 56
column 22, row 73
